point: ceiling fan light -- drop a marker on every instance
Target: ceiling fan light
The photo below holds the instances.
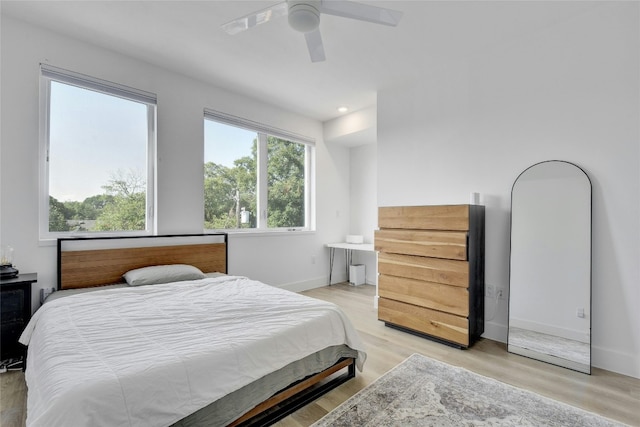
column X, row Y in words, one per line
column 303, row 17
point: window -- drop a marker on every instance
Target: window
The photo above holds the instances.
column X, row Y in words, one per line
column 97, row 156
column 255, row 177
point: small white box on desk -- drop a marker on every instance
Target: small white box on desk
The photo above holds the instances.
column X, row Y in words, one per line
column 354, row 238
column 356, row 274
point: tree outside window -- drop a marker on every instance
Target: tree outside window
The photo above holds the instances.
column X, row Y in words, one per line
column 98, row 154
column 232, row 180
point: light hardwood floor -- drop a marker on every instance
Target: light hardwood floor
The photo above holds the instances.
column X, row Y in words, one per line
column 606, row 393
column 611, row 395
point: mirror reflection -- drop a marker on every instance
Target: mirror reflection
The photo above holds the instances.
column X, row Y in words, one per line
column 550, row 270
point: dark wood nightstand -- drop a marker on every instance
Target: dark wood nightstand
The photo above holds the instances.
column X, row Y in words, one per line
column 15, row 312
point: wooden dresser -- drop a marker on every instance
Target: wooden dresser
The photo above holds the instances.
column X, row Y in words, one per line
column 431, row 271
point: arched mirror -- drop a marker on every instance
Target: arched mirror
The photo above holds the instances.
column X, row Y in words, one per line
column 550, row 269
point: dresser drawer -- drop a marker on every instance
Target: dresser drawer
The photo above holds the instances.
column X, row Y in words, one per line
column 424, row 320
column 450, row 272
column 435, row 244
column 441, row 217
column 447, row 298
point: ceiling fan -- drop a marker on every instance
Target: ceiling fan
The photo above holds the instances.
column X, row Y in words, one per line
column 304, row 16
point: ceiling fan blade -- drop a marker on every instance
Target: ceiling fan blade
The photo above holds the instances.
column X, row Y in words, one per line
column 314, row 44
column 361, row 12
column 256, row 18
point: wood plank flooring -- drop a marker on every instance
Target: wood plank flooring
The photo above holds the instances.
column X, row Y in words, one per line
column 606, row 393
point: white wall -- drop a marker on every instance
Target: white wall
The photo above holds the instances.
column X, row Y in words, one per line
column 364, row 203
column 293, row 261
column 357, row 131
column 567, row 92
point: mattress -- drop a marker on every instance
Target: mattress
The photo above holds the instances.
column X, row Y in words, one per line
column 152, row 355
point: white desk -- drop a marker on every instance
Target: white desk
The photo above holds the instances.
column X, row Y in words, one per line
column 348, row 249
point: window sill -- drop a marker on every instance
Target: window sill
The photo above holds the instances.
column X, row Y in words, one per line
column 52, row 240
column 259, row 233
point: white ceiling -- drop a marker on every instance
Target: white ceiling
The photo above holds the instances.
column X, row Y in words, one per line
column 271, row 62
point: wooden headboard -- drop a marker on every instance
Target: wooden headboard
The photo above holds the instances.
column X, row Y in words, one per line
column 87, row 262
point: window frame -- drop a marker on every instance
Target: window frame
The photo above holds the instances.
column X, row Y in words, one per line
column 49, row 73
column 263, row 131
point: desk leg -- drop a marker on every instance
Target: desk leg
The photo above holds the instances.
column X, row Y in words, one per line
column 332, row 252
column 348, row 253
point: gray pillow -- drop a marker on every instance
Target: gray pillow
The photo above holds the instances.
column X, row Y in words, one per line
column 162, row 274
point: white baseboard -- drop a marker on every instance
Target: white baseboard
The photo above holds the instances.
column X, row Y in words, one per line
column 603, row 358
column 615, row 361
column 305, row 285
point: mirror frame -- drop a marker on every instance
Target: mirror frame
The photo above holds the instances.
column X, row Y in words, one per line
column 559, row 361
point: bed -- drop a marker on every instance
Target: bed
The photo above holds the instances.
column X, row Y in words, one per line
column 181, row 343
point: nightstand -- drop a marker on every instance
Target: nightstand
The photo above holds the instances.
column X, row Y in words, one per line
column 15, row 312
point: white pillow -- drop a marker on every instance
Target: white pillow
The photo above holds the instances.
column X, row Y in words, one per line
column 162, row 274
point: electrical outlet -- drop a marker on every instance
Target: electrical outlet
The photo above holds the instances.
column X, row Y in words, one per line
column 490, row 291
column 44, row 293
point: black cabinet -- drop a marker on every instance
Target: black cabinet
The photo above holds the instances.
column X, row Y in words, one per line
column 15, row 312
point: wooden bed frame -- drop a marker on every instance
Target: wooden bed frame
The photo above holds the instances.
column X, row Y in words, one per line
column 87, row 262
column 90, row 262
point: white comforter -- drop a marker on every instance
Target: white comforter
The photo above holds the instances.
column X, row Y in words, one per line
column 151, row 355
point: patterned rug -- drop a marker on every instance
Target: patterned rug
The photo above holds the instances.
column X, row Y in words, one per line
column 424, row 392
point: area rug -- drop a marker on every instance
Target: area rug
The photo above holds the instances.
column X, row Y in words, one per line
column 424, row 392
